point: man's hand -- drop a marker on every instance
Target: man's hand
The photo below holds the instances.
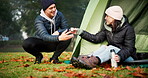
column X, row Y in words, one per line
column 65, row 36
column 56, row 33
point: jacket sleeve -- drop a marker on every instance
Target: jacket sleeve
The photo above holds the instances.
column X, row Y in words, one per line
column 42, row 32
column 94, row 38
column 129, row 44
column 63, row 23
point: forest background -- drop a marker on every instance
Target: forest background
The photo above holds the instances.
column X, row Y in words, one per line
column 17, row 19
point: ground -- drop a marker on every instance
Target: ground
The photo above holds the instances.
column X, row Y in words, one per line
column 21, row 65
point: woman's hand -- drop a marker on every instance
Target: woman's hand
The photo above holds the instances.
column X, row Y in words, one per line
column 65, row 36
column 117, row 58
column 73, row 30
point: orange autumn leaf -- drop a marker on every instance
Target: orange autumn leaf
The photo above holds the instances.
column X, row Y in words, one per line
column 69, row 74
column 74, row 74
column 129, row 68
column 121, row 75
column 50, row 76
column 101, row 74
column 136, row 74
column 31, row 77
column 115, row 69
column 29, row 59
column 3, row 68
column 58, row 70
column 80, row 75
column 108, row 76
column 69, row 71
column 25, row 65
column 3, row 61
column 22, row 58
column 139, row 70
column 43, row 69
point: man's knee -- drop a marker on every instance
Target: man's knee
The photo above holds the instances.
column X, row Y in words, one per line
column 28, row 44
column 67, row 42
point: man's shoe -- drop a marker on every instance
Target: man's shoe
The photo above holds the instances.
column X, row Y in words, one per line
column 38, row 60
column 55, row 61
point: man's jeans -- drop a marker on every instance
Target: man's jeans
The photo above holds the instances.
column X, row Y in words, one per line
column 104, row 53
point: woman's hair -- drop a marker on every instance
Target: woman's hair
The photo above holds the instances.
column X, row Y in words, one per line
column 115, row 25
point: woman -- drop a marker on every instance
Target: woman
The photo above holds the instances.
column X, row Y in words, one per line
column 119, row 35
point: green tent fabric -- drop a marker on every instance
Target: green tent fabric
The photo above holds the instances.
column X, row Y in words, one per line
column 137, row 13
column 135, row 10
column 91, row 22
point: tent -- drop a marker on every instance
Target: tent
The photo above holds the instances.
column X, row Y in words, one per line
column 135, row 10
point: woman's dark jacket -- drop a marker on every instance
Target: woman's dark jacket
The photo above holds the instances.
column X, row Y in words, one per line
column 123, row 38
column 43, row 27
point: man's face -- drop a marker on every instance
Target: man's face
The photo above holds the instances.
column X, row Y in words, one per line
column 109, row 20
column 50, row 11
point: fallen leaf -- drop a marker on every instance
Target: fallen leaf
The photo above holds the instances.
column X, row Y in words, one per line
column 29, row 59
column 69, row 71
column 107, row 76
column 50, row 76
column 101, row 74
column 3, row 68
column 139, row 70
column 74, row 74
column 115, row 69
column 121, row 76
column 25, row 65
column 69, row 74
column 31, row 77
column 58, row 70
column 3, row 61
column 139, row 75
column 16, row 60
column 43, row 69
column 129, row 68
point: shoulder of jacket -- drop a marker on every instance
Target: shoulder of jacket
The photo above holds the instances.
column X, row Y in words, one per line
column 128, row 26
column 60, row 14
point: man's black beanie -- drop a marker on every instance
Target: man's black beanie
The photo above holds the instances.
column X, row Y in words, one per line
column 46, row 3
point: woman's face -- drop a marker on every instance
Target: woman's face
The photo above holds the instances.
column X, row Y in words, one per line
column 50, row 11
column 109, row 20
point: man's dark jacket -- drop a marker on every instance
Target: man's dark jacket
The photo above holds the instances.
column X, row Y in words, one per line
column 123, row 38
column 43, row 27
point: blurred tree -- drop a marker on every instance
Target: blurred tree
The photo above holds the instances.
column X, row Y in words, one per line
column 16, row 15
column 7, row 26
column 73, row 10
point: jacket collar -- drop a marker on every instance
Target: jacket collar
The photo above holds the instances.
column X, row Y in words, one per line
column 49, row 19
column 46, row 17
column 123, row 20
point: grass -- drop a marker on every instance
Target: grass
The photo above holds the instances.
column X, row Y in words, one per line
column 21, row 65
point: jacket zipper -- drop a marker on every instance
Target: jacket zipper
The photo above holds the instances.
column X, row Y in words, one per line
column 112, row 35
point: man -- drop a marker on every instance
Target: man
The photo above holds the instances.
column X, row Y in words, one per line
column 51, row 33
column 119, row 35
